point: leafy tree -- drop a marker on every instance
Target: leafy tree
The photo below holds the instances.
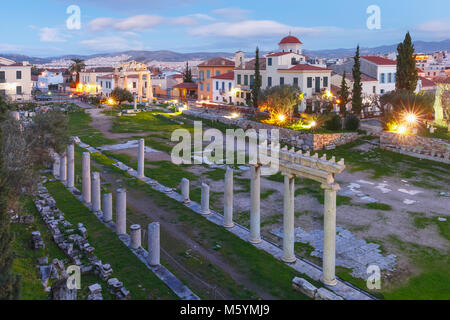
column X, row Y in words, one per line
column 407, row 76
column 257, row 83
column 351, row 122
column 120, row 95
column 280, row 99
column 343, row 95
column 401, row 100
column 76, row 67
column 187, row 75
column 334, row 123
column 9, row 283
column 357, row 103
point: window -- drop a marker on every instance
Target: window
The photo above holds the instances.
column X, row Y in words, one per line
column 208, row 87
column 19, row 90
column 3, row 92
column 223, row 85
column 2, row 77
column 18, row 75
column 325, row 82
column 217, row 85
column 202, row 75
column 239, row 79
column 309, row 82
column 296, row 82
column 134, row 85
column 252, row 80
column 229, row 86
column 245, row 80
column 382, row 91
column 374, row 89
column 218, row 73
column 382, row 80
column 281, row 81
column 269, row 81
column 389, row 77
column 201, row 86
column 269, row 61
column 393, row 77
column 208, row 74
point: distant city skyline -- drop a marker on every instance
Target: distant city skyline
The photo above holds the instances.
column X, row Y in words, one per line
column 40, row 28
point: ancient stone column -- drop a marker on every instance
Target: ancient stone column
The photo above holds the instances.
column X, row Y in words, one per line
column 329, row 234
column 141, row 158
column 86, row 176
column 95, row 189
column 185, row 190
column 255, row 194
column 63, row 168
column 228, row 200
column 149, row 92
column 288, row 220
column 135, row 235
column 121, row 211
column 140, row 87
column 70, row 166
column 56, row 165
column 205, row 199
column 107, row 207
column 153, row 244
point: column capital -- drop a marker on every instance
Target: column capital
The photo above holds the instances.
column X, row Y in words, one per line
column 331, row 187
column 289, row 175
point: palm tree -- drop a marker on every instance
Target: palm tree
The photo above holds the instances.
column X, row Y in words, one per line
column 77, row 66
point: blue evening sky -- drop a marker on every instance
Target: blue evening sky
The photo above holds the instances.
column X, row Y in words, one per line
column 39, row 28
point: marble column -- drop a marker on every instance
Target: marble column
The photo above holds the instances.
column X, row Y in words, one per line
column 70, row 166
column 141, row 158
column 228, row 200
column 153, row 244
column 95, row 191
column 255, row 214
column 185, row 190
column 329, row 234
column 149, row 92
column 135, row 236
column 56, row 165
column 121, row 211
column 205, row 199
column 63, row 168
column 125, row 82
column 107, row 207
column 140, row 87
column 86, row 176
column 288, row 220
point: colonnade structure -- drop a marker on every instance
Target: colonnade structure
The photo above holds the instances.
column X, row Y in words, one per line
column 133, row 68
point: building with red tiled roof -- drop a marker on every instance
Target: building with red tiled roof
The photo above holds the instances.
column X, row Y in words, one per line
column 381, row 61
column 207, row 70
column 382, row 69
column 15, row 80
column 224, row 88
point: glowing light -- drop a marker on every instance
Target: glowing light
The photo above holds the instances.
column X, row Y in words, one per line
column 401, row 129
column 313, row 124
column 110, row 101
column 411, row 118
column 281, row 118
column 328, row 94
column 338, row 101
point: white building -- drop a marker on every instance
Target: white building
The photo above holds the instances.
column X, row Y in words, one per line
column 369, row 84
column 15, row 80
column 382, row 69
column 224, row 88
column 49, row 78
column 106, row 84
column 286, row 67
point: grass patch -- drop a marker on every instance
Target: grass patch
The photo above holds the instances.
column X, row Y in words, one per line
column 378, row 206
column 267, row 193
column 79, row 125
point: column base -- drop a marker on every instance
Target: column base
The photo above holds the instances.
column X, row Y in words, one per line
column 206, row 213
column 329, row 283
column 255, row 241
column 289, row 260
column 229, row 226
column 186, row 201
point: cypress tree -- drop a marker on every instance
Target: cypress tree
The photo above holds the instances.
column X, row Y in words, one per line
column 257, row 83
column 343, row 95
column 187, row 76
column 407, row 76
column 357, row 103
column 9, row 283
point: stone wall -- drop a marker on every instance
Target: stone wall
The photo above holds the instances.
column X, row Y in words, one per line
column 306, row 141
column 427, row 148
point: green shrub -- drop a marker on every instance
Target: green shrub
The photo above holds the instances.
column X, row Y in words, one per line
column 334, row 123
column 351, row 122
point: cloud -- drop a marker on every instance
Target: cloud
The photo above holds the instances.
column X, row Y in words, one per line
column 144, row 22
column 440, row 25
column 112, row 43
column 132, row 5
column 252, row 28
column 232, row 13
column 51, row 35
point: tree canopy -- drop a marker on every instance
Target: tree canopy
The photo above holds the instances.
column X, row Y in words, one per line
column 343, row 95
column 121, row 95
column 257, row 82
column 76, row 67
column 357, row 103
column 407, row 76
column 280, row 99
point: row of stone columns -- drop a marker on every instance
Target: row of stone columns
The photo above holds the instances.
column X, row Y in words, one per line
column 91, row 195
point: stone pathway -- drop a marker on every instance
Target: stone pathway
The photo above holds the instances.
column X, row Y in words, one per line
column 352, row 253
column 342, row 288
